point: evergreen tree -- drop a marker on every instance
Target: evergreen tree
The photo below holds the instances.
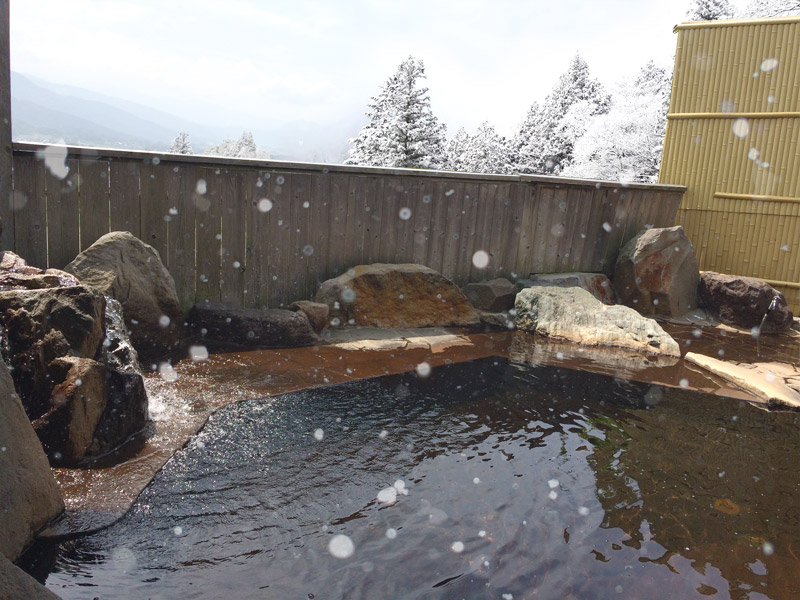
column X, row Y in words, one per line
column 402, row 130
column 483, row 152
column 770, row 8
column 545, row 140
column 710, row 10
column 181, row 144
column 244, row 147
column 626, row 142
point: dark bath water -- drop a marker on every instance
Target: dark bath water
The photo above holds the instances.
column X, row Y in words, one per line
column 521, row 482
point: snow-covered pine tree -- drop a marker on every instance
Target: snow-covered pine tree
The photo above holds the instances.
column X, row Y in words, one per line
column 759, row 9
column 483, row 152
column 181, row 144
column 402, row 130
column 244, row 147
column 545, row 140
column 710, row 10
column 625, row 143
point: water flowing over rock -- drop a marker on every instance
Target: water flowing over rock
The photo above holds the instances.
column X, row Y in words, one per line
column 575, row 315
column 657, row 273
column 387, row 295
column 73, row 366
column 29, row 496
column 494, row 296
column 743, row 302
column 596, row 284
column 125, row 268
column 251, row 327
column 316, row 312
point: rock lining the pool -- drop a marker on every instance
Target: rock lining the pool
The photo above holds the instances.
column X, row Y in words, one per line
column 575, row 315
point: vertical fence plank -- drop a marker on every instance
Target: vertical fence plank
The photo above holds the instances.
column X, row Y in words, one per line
column 355, row 221
column 421, row 220
column 93, row 199
column 257, row 228
column 181, row 234
column 500, row 232
column 30, row 210
column 583, row 208
column 124, row 206
column 156, row 185
column 319, row 231
column 512, row 231
column 454, row 197
column 338, row 192
column 467, row 234
column 303, row 245
column 63, row 243
column 208, row 200
column 234, row 206
column 404, row 225
column 372, row 224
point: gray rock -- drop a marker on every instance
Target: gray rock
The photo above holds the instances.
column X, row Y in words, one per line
column 398, row 296
column 251, row 327
column 125, row 268
column 502, row 321
column 29, row 496
column 657, row 273
column 743, row 302
column 494, row 296
column 316, row 312
column 16, row 584
column 575, row 315
column 596, row 284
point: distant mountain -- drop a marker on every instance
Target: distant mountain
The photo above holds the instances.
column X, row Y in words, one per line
column 46, row 112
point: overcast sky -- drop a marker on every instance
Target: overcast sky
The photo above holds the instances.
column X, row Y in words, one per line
column 252, row 63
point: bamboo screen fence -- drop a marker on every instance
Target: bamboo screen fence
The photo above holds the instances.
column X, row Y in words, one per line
column 258, row 233
column 733, row 138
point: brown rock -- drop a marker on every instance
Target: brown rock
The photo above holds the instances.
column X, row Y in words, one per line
column 16, row 274
column 492, row 296
column 657, row 273
column 407, row 295
column 92, row 410
column 316, row 312
column 597, row 284
column 16, row 584
column 130, row 271
column 41, row 325
column 29, row 496
column 251, row 327
column 743, row 302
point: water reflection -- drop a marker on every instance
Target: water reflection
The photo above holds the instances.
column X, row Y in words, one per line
column 521, row 482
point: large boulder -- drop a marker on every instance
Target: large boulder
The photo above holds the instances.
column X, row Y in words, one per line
column 41, row 325
column 92, row 410
column 743, row 302
column 251, row 327
column 494, row 296
column 125, row 268
column 657, row 273
column 575, row 315
column 29, row 496
column 386, row 295
column 596, row 284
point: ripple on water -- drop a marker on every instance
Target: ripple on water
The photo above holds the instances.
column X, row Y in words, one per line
column 497, row 480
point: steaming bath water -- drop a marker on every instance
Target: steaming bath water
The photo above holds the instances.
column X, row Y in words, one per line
column 488, row 479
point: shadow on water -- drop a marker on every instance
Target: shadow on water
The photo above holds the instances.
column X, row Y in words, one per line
column 521, row 481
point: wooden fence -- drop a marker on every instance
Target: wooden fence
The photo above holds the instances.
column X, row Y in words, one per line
column 259, row 233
